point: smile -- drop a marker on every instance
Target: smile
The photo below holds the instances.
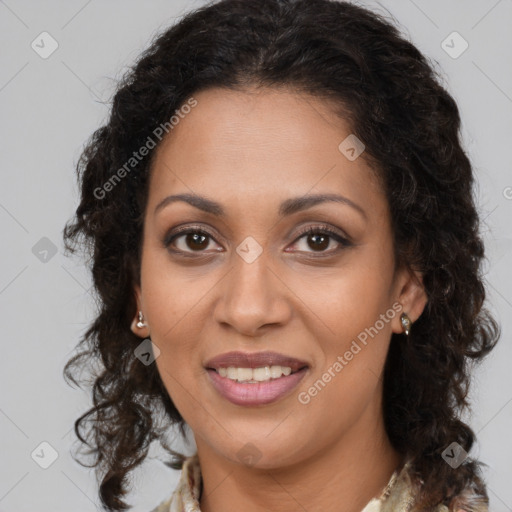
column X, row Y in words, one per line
column 255, row 386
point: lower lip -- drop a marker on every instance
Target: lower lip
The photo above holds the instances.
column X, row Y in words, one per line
column 242, row 393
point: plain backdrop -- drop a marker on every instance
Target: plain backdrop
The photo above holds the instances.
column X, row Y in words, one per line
column 50, row 106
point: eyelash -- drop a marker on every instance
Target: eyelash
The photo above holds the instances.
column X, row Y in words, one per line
column 310, row 230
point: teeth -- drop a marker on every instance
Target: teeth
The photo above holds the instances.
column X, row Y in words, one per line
column 254, row 375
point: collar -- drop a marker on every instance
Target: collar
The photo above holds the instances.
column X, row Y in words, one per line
column 396, row 495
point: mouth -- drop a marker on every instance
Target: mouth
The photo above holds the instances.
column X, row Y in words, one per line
column 253, row 392
column 255, row 361
column 255, row 379
column 255, row 375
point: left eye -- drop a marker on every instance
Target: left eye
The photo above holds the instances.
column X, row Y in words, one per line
column 318, row 240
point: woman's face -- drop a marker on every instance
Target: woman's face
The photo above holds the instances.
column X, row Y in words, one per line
column 250, row 280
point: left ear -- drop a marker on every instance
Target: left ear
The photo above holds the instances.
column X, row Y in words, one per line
column 411, row 295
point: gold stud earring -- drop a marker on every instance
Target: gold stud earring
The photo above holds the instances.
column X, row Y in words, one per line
column 140, row 323
column 406, row 323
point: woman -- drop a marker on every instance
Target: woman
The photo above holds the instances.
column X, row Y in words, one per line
column 287, row 257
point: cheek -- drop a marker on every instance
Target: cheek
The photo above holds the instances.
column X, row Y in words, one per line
column 348, row 299
column 179, row 364
column 173, row 296
column 348, row 377
column 354, row 304
column 176, row 301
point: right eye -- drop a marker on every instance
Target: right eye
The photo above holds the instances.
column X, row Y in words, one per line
column 188, row 240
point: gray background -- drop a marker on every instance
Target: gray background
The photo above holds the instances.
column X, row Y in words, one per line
column 50, row 106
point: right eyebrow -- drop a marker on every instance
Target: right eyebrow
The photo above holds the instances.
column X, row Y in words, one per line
column 200, row 202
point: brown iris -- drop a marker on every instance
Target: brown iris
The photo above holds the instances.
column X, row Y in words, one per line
column 197, row 241
column 320, row 242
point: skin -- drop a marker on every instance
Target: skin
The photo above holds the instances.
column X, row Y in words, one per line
column 250, row 150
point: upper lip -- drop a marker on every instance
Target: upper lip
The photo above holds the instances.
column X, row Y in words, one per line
column 254, row 360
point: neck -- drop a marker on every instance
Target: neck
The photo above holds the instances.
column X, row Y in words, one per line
column 351, row 472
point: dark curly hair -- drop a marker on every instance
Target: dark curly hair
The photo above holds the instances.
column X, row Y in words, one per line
column 395, row 103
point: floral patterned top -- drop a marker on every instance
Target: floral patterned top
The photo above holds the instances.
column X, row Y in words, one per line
column 397, row 496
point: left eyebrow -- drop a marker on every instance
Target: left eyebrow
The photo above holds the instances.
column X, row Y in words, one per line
column 287, row 207
column 297, row 204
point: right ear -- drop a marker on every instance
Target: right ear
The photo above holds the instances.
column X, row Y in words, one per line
column 141, row 331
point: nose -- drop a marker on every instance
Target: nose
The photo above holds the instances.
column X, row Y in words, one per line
column 253, row 298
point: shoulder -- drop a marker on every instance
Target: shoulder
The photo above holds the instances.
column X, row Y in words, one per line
column 403, row 492
column 165, row 506
column 187, row 492
column 469, row 501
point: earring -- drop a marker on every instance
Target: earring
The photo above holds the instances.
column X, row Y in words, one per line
column 406, row 323
column 140, row 324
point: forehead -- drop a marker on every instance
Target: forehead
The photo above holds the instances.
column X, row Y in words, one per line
column 262, row 144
